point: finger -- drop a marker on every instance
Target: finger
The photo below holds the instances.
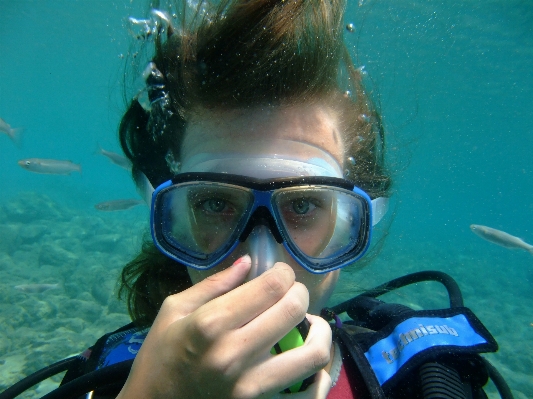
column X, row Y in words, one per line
column 290, row 367
column 274, row 323
column 319, row 329
column 243, row 304
column 183, row 303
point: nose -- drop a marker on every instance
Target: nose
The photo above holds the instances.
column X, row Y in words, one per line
column 264, row 250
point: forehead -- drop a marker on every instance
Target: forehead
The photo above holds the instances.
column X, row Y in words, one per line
column 266, row 130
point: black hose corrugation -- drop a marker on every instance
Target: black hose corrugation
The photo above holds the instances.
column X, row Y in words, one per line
column 440, row 382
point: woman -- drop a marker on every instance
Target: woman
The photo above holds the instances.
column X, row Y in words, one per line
column 262, row 90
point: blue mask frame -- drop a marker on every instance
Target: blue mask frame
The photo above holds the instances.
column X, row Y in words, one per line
column 261, row 211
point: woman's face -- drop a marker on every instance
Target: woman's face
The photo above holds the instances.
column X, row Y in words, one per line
column 268, row 142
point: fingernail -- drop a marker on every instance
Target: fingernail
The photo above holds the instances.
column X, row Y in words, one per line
column 243, row 259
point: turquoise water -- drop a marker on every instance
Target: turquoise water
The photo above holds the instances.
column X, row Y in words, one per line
column 454, row 80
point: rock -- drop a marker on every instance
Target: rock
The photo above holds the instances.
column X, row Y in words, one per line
column 44, row 310
column 87, row 310
column 55, row 255
column 101, row 292
column 5, row 345
column 31, row 232
column 6, row 263
column 75, row 324
column 113, row 321
column 116, row 306
column 103, row 242
column 9, row 237
column 29, row 207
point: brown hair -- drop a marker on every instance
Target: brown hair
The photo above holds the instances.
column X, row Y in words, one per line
column 241, row 54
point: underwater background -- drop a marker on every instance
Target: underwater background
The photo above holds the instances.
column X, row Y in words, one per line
column 454, row 82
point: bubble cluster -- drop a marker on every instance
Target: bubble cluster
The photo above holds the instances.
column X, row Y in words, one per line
column 158, row 100
column 173, row 165
column 143, row 29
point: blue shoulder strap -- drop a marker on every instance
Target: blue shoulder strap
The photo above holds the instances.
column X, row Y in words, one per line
column 121, row 346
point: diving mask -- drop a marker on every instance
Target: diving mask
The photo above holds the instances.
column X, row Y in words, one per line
column 199, row 218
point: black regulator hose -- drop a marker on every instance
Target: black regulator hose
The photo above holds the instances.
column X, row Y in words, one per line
column 37, row 377
column 91, row 381
column 497, row 379
column 439, row 381
column 454, row 292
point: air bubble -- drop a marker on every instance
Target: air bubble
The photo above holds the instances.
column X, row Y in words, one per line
column 364, row 118
column 350, row 28
column 142, row 99
column 362, row 71
column 143, row 29
column 172, row 164
column 351, row 160
column 140, row 28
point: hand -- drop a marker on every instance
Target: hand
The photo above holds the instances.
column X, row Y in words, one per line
column 213, row 340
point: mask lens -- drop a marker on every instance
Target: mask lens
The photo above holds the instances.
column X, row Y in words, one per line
column 200, row 219
column 322, row 222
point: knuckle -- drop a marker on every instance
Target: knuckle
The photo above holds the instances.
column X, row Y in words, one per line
column 220, row 365
column 274, row 284
column 320, row 357
column 294, row 309
column 168, row 303
column 205, row 326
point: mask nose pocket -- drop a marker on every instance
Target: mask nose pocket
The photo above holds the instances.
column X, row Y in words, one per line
column 263, row 249
column 261, row 217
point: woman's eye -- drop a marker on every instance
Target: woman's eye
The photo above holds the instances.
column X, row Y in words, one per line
column 214, row 205
column 302, row 206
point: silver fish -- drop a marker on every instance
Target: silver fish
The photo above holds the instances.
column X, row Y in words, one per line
column 118, row 205
column 500, row 237
column 49, row 166
column 36, row 288
column 13, row 133
column 117, row 159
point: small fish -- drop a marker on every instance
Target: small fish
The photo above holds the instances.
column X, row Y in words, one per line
column 49, row 166
column 36, row 288
column 118, row 205
column 13, row 133
column 117, row 159
column 500, row 237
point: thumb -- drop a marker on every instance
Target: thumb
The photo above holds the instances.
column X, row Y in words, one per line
column 184, row 303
